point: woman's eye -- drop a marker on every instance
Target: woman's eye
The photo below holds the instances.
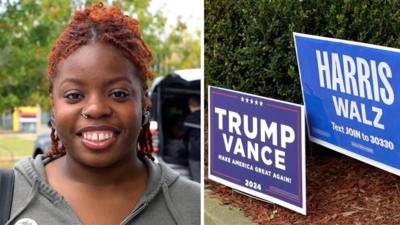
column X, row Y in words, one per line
column 119, row 94
column 73, row 97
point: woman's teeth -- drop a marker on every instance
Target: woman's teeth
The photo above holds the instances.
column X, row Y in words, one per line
column 97, row 135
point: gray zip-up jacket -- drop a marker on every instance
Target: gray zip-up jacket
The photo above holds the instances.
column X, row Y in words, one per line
column 169, row 199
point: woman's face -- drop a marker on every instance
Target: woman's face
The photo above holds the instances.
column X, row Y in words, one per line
column 99, row 81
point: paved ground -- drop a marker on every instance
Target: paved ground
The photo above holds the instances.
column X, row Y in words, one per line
column 216, row 213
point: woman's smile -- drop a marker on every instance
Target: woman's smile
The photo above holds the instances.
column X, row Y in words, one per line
column 98, row 137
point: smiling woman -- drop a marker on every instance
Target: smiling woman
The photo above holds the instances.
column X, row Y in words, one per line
column 100, row 168
column 111, row 106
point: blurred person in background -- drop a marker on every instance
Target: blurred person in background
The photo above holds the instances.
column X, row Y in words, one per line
column 191, row 136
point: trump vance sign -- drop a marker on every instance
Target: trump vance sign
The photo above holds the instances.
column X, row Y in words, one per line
column 256, row 145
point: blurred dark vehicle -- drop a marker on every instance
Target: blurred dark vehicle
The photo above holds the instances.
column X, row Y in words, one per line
column 170, row 95
column 42, row 143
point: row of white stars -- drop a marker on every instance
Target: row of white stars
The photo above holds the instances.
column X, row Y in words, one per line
column 251, row 101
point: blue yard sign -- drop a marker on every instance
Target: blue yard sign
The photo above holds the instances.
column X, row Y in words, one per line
column 351, row 93
column 256, row 145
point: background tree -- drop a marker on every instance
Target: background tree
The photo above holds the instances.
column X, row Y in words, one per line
column 27, row 29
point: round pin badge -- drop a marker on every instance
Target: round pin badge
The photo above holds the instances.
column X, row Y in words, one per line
column 26, row 221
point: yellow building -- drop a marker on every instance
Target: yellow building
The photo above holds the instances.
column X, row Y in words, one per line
column 26, row 118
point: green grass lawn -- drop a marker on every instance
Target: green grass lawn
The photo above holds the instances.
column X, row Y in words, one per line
column 13, row 148
column 18, row 146
column 7, row 164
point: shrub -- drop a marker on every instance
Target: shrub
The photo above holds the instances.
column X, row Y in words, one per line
column 249, row 43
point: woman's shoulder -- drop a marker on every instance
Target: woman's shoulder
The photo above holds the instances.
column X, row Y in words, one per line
column 184, row 196
column 184, row 182
column 186, row 189
column 180, row 184
column 181, row 188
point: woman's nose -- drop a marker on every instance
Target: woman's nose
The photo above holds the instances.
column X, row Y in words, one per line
column 96, row 108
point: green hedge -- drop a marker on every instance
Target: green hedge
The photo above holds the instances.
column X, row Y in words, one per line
column 249, row 44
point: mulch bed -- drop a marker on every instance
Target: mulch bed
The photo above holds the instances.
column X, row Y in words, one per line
column 340, row 190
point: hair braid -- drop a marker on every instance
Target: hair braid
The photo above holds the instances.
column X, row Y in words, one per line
column 145, row 142
column 55, row 148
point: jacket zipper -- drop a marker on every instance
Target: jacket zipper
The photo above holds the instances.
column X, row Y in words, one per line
column 134, row 213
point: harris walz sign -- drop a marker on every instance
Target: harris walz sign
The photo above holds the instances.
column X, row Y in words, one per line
column 351, row 91
column 256, row 145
